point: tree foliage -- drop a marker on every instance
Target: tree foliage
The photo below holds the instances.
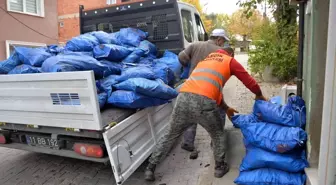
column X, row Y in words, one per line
column 278, row 45
column 208, row 25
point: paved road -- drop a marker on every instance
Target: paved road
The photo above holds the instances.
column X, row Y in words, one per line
column 26, row 168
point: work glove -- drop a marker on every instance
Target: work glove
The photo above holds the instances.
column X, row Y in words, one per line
column 230, row 112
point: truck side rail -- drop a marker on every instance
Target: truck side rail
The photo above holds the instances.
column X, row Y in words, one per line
column 67, row 100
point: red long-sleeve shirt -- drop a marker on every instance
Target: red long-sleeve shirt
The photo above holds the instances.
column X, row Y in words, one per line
column 238, row 70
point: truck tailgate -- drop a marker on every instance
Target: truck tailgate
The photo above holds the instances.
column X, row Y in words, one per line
column 67, row 100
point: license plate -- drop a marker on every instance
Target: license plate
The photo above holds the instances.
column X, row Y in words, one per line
column 42, row 142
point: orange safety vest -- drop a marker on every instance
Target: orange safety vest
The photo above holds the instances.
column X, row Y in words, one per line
column 209, row 77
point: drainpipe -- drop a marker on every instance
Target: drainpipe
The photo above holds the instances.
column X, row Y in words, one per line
column 327, row 161
column 301, row 47
column 81, row 9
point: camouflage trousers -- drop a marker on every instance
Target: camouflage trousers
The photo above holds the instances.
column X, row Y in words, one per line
column 190, row 109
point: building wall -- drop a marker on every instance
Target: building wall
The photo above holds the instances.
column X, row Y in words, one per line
column 11, row 29
column 314, row 75
column 68, row 15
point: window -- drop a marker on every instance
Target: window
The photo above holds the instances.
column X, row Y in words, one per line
column 10, row 45
column 200, row 28
column 109, row 2
column 31, row 7
column 187, row 25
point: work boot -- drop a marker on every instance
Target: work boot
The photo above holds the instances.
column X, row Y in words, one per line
column 187, row 147
column 149, row 172
column 221, row 169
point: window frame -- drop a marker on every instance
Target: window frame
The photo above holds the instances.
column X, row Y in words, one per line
column 192, row 25
column 201, row 26
column 21, row 43
column 40, row 9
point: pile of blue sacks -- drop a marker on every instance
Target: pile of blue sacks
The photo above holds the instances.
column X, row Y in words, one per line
column 274, row 139
column 127, row 71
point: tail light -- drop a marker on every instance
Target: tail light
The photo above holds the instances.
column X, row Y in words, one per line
column 3, row 139
column 89, row 150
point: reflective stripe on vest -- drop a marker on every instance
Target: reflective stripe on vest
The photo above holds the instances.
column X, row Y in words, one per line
column 204, row 78
column 209, row 77
column 220, row 76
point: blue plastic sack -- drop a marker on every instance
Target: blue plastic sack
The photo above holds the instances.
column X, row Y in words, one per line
column 276, row 100
column 76, row 61
column 114, row 67
column 185, row 73
column 148, row 48
column 285, row 115
column 270, row 177
column 24, row 69
column 102, row 37
column 131, row 37
column 172, row 61
column 134, row 57
column 151, row 88
column 137, row 72
column 84, row 42
column 133, row 100
column 107, row 84
column 163, row 72
column 273, row 137
column 257, row 158
column 102, row 95
column 111, row 52
column 7, row 65
column 114, row 38
column 54, row 49
column 32, row 56
column 240, row 120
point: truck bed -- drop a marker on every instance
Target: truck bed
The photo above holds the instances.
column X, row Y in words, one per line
column 55, row 100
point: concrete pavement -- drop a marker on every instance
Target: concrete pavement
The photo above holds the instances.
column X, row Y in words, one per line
column 26, row 168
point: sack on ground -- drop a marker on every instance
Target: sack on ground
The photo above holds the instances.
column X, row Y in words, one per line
column 136, row 72
column 172, row 61
column 279, row 114
column 111, row 52
column 25, row 69
column 7, row 65
column 133, row 100
column 240, row 120
column 270, row 177
column 76, row 61
column 131, row 36
column 114, row 67
column 163, row 72
column 151, row 88
column 258, row 158
column 114, row 37
column 273, row 137
column 32, row 56
column 84, row 42
column 102, row 95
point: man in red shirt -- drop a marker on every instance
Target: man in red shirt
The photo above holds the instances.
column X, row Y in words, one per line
column 199, row 101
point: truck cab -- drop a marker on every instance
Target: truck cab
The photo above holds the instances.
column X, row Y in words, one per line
column 172, row 25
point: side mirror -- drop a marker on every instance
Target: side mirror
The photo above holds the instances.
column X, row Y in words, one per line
column 206, row 36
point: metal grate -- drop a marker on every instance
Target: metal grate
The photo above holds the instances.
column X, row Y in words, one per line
column 65, row 98
column 160, row 27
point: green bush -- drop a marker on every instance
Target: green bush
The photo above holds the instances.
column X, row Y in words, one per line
column 270, row 50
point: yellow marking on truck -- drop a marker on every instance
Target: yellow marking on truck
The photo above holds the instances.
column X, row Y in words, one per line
column 112, row 124
column 30, row 126
column 2, row 124
column 70, row 129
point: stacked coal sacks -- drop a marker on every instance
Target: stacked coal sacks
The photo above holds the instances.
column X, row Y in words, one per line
column 275, row 143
